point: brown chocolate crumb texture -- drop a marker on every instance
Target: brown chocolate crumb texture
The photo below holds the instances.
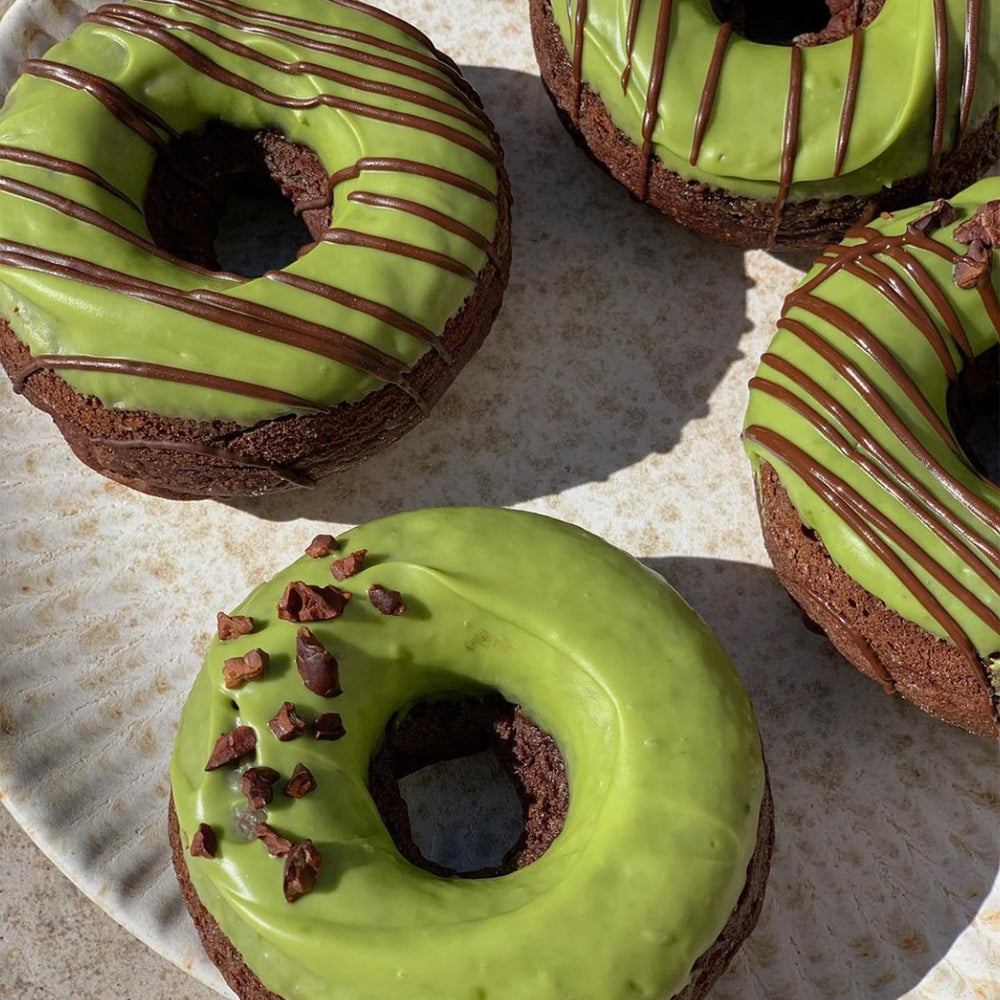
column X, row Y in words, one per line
column 385, row 600
column 233, row 626
column 349, row 565
column 302, row 867
column 716, row 212
column 301, row 783
column 322, row 545
column 316, row 665
column 287, row 724
column 231, row 746
column 237, row 670
column 204, row 843
column 257, row 784
column 301, row 602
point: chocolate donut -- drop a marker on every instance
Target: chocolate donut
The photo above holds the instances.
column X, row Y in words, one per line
column 643, row 866
column 117, row 150
column 711, row 114
column 879, row 519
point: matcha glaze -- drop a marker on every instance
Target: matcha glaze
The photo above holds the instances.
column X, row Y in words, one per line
column 658, row 736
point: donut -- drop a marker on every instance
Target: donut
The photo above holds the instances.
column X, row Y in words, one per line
column 769, row 126
column 118, row 150
column 657, row 871
column 877, row 512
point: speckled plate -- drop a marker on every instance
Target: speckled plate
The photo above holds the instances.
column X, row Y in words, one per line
column 610, row 393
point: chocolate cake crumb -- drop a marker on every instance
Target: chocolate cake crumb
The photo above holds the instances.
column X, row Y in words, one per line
column 287, row 724
column 301, row 870
column 237, row 670
column 277, row 846
column 322, row 545
column 257, row 784
column 316, row 665
column 348, row 565
column 231, row 746
column 233, row 626
column 302, row 602
column 386, row 601
column 301, row 782
column 328, row 726
column 204, row 843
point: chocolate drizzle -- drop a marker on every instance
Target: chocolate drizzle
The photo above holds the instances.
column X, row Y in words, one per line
column 971, row 536
column 459, row 120
column 659, row 66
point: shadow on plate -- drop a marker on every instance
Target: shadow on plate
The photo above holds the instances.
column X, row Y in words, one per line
column 616, row 327
column 885, row 818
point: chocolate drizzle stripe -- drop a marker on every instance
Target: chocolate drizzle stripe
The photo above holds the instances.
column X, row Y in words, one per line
column 207, row 67
column 633, row 21
column 970, row 64
column 156, row 28
column 940, row 81
column 884, row 280
column 657, row 69
column 578, row 21
column 374, row 309
column 212, row 451
column 850, row 99
column 889, row 475
column 875, row 531
column 350, row 237
column 60, row 166
column 439, row 219
column 856, row 378
column 215, row 307
column 164, row 373
column 126, row 109
column 789, row 142
column 393, row 165
column 457, row 84
column 82, row 213
column 708, row 90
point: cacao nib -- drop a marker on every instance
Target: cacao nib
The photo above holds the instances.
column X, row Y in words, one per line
column 287, row 724
column 237, row 670
column 301, row 870
column 322, row 545
column 317, row 666
column 204, row 843
column 277, row 846
column 231, row 746
column 304, row 603
column 301, row 782
column 257, row 784
column 386, row 601
column 939, row 214
column 349, row 565
column 233, row 626
column 328, row 726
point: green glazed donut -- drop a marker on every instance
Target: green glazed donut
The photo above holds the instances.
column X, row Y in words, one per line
column 777, row 144
column 261, row 381
column 879, row 522
column 667, row 806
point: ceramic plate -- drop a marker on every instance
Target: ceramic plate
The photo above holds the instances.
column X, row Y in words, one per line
column 610, row 393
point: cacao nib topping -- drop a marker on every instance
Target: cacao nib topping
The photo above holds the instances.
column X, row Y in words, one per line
column 386, row 601
column 974, row 266
column 301, row 870
column 939, row 214
column 231, row 746
column 257, row 784
column 233, row 626
column 317, row 666
column 301, row 783
column 287, row 724
column 304, row 603
column 349, row 565
column 204, row 843
column 322, row 545
column 328, row 726
column 237, row 670
column 277, row 846
column 984, row 226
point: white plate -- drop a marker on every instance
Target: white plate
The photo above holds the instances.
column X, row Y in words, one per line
column 610, row 393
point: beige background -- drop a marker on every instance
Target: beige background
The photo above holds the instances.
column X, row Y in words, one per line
column 610, row 393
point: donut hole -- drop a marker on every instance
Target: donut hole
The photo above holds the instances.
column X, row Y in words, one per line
column 802, row 22
column 233, row 200
column 469, row 787
column 974, row 411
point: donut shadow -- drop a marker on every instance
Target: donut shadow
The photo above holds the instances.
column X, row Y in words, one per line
column 885, row 818
column 616, row 327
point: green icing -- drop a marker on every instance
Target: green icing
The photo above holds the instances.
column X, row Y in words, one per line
column 60, row 315
column 742, row 149
column 658, row 735
column 902, row 337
